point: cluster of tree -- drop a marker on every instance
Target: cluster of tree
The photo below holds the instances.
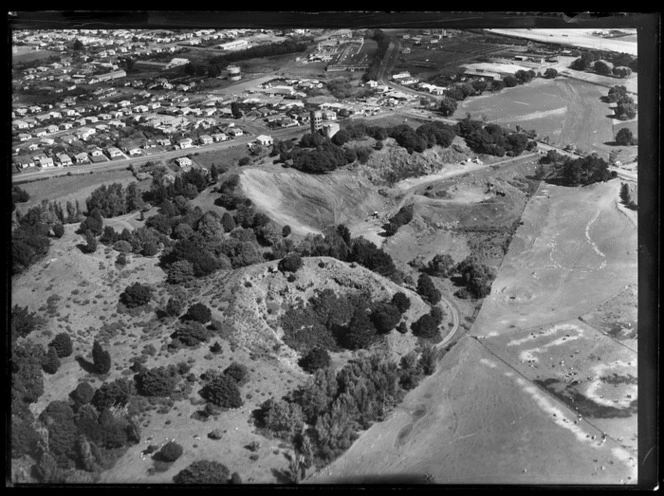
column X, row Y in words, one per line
column 401, row 218
column 30, row 239
column 323, row 417
column 491, row 139
column 441, row 265
column 329, row 322
column 626, row 197
column 623, row 63
column 19, row 195
column 223, row 389
column 625, row 106
column 188, row 185
column 383, row 40
column 580, row 171
column 114, row 199
column 476, row 277
column 339, row 88
column 145, row 240
column 624, row 137
column 160, row 381
column 550, row 73
column 336, row 242
column 427, row 326
column 427, row 290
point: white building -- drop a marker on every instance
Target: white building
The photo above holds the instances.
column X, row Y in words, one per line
column 264, row 140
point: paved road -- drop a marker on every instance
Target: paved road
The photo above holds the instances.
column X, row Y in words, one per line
column 285, row 133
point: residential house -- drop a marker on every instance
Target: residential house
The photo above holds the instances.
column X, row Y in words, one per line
column 184, row 162
column 96, row 152
column 52, row 129
column 33, row 147
column 40, row 132
column 91, row 119
column 185, row 143
column 55, row 114
column 64, row 159
column 135, row 151
column 19, row 124
column 81, row 158
column 264, row 140
column 24, row 137
column 24, row 161
column 45, row 161
column 65, row 125
column 114, row 152
column 235, row 132
column 164, row 142
column 205, row 139
column 47, row 141
column 219, row 137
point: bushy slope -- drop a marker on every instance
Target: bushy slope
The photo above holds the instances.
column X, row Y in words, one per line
column 257, row 296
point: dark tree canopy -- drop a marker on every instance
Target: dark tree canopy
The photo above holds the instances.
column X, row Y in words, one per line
column 316, row 358
column 427, row 290
column 203, row 472
column 136, row 295
column 101, row 358
column 62, row 345
column 222, row 391
column 199, row 312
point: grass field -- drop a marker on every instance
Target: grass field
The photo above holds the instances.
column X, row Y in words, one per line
column 565, row 110
column 26, row 54
column 75, row 187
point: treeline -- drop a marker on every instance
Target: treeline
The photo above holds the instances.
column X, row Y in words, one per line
column 623, row 63
column 491, row 139
column 325, row 416
column 318, row 154
column 471, row 273
column 401, row 218
column 383, row 41
column 216, row 65
column 566, row 171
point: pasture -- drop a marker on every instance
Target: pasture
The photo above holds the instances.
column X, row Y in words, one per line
column 574, row 250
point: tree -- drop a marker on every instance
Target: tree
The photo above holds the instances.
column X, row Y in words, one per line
column 601, row 68
column 235, row 110
column 580, row 64
column 23, row 322
column 290, row 263
column 625, row 111
column 83, row 393
column 238, row 372
column 426, row 326
column 427, row 290
column 51, row 362
column 286, row 231
column 111, row 394
column 174, row 306
column 62, row 345
column 550, row 73
column 180, row 272
column 199, row 312
column 136, row 294
column 624, row 137
column 510, row 81
column 77, row 45
column 160, row 381
column 170, row 452
column 222, row 391
column 401, row 302
column 360, row 331
column 58, row 230
column 203, row 472
column 191, row 334
column 100, row 358
column 385, row 317
column 440, row 265
column 316, row 358
column 90, row 242
column 447, row 106
column 625, row 195
column 227, row 222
